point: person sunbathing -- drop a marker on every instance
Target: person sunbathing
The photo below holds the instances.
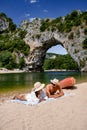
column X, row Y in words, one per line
column 55, row 88
column 37, row 94
column 52, row 90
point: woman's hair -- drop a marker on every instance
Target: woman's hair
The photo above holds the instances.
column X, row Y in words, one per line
column 37, row 93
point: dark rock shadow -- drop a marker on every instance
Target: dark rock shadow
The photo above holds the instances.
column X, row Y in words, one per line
column 72, row 87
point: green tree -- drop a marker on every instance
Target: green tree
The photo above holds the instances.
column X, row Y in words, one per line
column 85, row 31
column 61, row 62
column 22, row 33
column 21, row 63
column 12, row 26
column 7, row 60
column 85, row 44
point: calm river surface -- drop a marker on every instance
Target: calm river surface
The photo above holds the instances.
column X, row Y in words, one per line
column 23, row 82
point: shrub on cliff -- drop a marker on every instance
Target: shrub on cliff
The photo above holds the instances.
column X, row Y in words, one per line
column 85, row 44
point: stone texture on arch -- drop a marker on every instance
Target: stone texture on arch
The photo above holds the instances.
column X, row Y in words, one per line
column 40, row 42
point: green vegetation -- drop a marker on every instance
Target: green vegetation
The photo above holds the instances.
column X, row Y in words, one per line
column 9, row 48
column 71, row 35
column 85, row 44
column 12, row 26
column 75, row 19
column 60, row 62
column 85, row 31
column 6, row 60
column 22, row 33
column 3, row 15
column 44, row 26
column 12, row 46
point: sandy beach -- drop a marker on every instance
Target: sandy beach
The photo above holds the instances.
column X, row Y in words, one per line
column 65, row 113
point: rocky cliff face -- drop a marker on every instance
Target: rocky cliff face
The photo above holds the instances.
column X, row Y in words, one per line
column 40, row 42
column 3, row 24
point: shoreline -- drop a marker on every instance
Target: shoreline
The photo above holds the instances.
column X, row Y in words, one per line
column 5, row 71
column 60, row 70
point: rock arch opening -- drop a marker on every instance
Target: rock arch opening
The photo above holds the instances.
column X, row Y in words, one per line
column 38, row 54
column 58, row 49
column 57, row 58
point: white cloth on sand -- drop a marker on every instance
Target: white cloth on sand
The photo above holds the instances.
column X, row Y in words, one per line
column 33, row 100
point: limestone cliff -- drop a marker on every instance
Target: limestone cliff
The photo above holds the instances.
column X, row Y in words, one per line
column 3, row 24
column 69, row 31
column 41, row 40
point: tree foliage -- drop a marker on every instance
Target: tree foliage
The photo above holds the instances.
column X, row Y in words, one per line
column 61, row 62
column 65, row 24
column 12, row 47
column 6, row 60
column 85, row 44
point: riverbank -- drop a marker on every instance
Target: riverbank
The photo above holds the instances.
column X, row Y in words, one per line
column 66, row 113
column 59, row 70
column 4, row 70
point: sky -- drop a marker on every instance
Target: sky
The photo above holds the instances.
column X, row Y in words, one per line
column 19, row 10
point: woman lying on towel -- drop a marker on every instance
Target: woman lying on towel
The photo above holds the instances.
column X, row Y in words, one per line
column 36, row 95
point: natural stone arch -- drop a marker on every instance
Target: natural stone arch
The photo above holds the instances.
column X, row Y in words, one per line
column 40, row 42
column 69, row 31
column 37, row 55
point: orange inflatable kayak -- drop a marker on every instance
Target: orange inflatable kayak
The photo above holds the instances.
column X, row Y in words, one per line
column 67, row 82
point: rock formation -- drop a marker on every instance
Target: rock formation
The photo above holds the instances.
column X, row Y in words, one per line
column 40, row 42
column 3, row 24
column 40, row 39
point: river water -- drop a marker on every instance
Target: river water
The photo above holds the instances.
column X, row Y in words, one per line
column 23, row 82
